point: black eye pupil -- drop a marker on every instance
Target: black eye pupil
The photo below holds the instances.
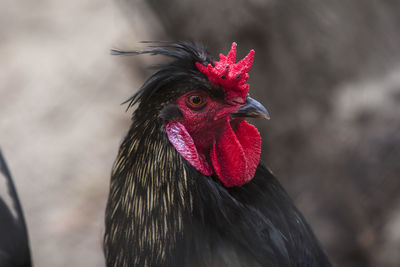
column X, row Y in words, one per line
column 196, row 100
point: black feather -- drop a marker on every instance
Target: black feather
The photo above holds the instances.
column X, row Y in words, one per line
column 14, row 244
column 171, row 112
column 181, row 70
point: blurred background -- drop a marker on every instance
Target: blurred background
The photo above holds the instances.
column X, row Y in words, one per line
column 328, row 72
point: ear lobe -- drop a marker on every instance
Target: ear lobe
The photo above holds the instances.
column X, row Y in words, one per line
column 184, row 144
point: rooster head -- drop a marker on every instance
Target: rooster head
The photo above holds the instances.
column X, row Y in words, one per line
column 203, row 107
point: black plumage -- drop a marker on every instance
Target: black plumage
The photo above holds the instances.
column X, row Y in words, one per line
column 14, row 245
column 161, row 211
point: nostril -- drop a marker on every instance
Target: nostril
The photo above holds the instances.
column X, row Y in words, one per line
column 238, row 100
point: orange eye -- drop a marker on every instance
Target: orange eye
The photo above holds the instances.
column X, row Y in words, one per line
column 195, row 100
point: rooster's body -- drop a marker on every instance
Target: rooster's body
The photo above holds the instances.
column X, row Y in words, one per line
column 174, row 198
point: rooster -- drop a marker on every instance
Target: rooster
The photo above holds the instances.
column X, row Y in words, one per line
column 187, row 187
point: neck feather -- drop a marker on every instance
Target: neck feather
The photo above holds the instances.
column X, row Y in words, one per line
column 148, row 197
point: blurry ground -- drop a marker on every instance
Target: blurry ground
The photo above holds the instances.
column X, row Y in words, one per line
column 328, row 72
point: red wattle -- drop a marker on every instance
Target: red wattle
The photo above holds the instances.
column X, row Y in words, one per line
column 235, row 155
column 184, row 144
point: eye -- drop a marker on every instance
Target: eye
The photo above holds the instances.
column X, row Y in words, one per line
column 196, row 100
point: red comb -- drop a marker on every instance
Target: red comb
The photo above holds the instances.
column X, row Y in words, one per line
column 230, row 76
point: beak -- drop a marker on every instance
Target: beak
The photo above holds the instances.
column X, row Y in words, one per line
column 251, row 109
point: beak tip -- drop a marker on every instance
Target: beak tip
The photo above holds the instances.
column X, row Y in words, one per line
column 267, row 116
